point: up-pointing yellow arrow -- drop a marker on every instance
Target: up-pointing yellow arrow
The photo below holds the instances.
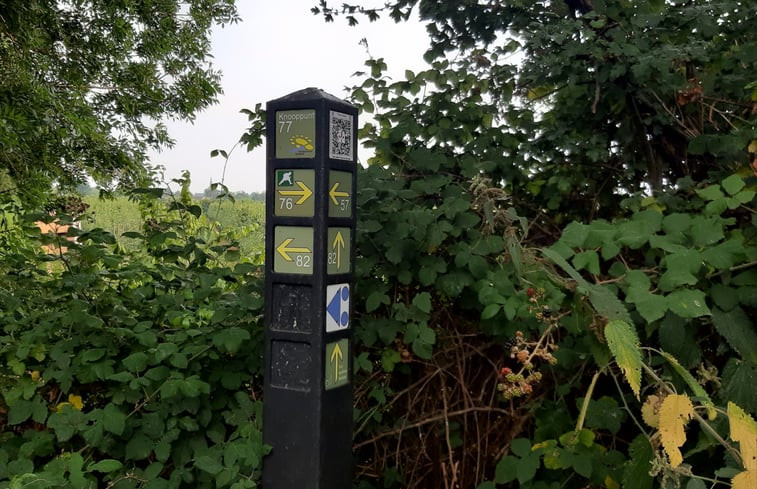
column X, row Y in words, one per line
column 304, row 193
column 333, row 193
column 339, row 245
column 283, row 249
column 336, row 357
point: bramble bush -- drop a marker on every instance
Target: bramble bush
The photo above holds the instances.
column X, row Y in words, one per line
column 125, row 368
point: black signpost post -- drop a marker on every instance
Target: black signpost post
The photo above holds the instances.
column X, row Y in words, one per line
column 310, row 229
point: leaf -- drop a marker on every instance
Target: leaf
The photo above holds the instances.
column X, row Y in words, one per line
column 506, row 469
column 744, row 430
column 208, row 464
column 490, row 311
column 739, row 379
column 423, row 302
column 139, row 447
column 114, row 421
column 733, row 184
column 650, row 411
column 106, row 465
column 136, row 362
column 636, row 472
column 230, row 340
column 736, row 327
column 521, row 447
column 745, row 480
column 651, row 306
column 588, row 260
column 624, row 345
column 688, row 303
column 527, row 467
column 695, row 387
column 675, row 413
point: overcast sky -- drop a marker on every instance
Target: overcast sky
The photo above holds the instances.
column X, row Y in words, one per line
column 278, row 48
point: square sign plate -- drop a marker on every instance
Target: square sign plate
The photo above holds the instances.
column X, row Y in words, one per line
column 295, row 134
column 337, row 307
column 294, row 193
column 337, row 364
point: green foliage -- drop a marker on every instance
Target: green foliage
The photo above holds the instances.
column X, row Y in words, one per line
column 558, row 170
column 85, row 86
column 241, row 220
column 131, row 368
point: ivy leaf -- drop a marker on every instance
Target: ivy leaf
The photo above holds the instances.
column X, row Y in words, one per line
column 675, row 413
column 624, row 345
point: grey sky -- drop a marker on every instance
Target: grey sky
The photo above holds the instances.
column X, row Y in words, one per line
column 278, row 48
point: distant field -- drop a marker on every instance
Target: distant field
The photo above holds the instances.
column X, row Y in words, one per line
column 244, row 217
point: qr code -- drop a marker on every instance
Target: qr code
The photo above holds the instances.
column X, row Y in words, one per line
column 341, row 145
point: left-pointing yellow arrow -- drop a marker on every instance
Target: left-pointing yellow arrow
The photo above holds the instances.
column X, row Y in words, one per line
column 284, row 249
column 303, row 193
column 334, row 193
column 336, row 357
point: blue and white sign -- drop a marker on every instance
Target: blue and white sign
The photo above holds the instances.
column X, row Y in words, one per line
column 337, row 307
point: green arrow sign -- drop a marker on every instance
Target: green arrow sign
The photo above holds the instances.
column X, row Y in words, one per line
column 293, row 250
column 340, row 194
column 294, row 193
column 339, row 244
column 337, row 364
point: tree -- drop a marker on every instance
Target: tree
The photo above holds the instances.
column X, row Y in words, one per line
column 85, row 84
column 581, row 102
column 562, row 176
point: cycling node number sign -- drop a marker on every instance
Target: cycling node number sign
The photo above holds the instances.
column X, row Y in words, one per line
column 295, row 134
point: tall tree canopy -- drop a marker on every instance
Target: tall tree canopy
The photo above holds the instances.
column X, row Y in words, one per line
column 85, row 84
column 578, row 102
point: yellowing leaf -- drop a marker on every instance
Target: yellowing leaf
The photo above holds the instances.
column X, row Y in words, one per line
column 745, row 480
column 753, row 146
column 744, row 431
column 76, row 402
column 610, row 483
column 675, row 412
column 624, row 345
column 699, row 392
column 650, row 411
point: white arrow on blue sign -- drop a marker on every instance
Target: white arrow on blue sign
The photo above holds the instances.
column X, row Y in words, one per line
column 337, row 307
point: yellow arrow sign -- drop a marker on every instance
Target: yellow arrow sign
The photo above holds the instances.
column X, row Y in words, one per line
column 336, row 357
column 283, row 249
column 304, row 193
column 338, row 244
column 334, row 193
